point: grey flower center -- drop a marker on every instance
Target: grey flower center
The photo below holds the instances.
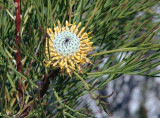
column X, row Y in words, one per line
column 66, row 43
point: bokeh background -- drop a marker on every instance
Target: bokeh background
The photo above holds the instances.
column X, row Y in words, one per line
column 134, row 96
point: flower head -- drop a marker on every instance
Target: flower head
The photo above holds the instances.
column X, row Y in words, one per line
column 67, row 47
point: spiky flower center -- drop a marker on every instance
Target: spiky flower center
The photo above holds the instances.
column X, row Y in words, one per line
column 67, row 47
column 66, row 43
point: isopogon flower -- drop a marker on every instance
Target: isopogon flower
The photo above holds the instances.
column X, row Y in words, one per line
column 67, row 47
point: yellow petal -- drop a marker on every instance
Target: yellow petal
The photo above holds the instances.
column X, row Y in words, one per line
column 85, row 48
column 47, row 64
column 84, row 41
column 81, row 52
column 54, row 64
column 66, row 23
column 59, row 24
column 78, row 58
column 75, row 61
column 87, row 60
column 73, row 28
column 56, row 29
column 78, row 25
column 63, row 28
column 85, row 35
column 79, row 68
column 90, row 38
column 76, row 31
column 49, row 31
column 78, row 53
column 61, row 64
column 55, row 33
column 82, row 45
column 71, row 62
column 69, row 71
column 89, row 43
column 83, row 55
column 56, row 58
column 93, row 48
column 89, row 33
column 81, row 31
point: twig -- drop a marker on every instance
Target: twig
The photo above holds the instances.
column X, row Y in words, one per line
column 46, row 81
column 44, row 87
column 32, row 59
column 17, row 39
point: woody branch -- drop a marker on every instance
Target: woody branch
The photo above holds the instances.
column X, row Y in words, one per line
column 17, row 39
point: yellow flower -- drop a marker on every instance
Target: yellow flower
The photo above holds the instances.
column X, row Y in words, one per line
column 67, row 47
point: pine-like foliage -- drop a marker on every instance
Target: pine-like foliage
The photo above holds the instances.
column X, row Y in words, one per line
column 28, row 88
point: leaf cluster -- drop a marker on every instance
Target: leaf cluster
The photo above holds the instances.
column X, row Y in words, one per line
column 127, row 41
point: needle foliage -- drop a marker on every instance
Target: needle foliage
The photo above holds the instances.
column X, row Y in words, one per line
column 128, row 41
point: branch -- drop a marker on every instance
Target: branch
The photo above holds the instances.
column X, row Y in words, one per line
column 44, row 87
column 17, row 39
column 46, row 82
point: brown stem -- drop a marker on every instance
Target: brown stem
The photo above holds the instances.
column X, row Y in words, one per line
column 46, row 81
column 29, row 67
column 43, row 89
column 17, row 39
